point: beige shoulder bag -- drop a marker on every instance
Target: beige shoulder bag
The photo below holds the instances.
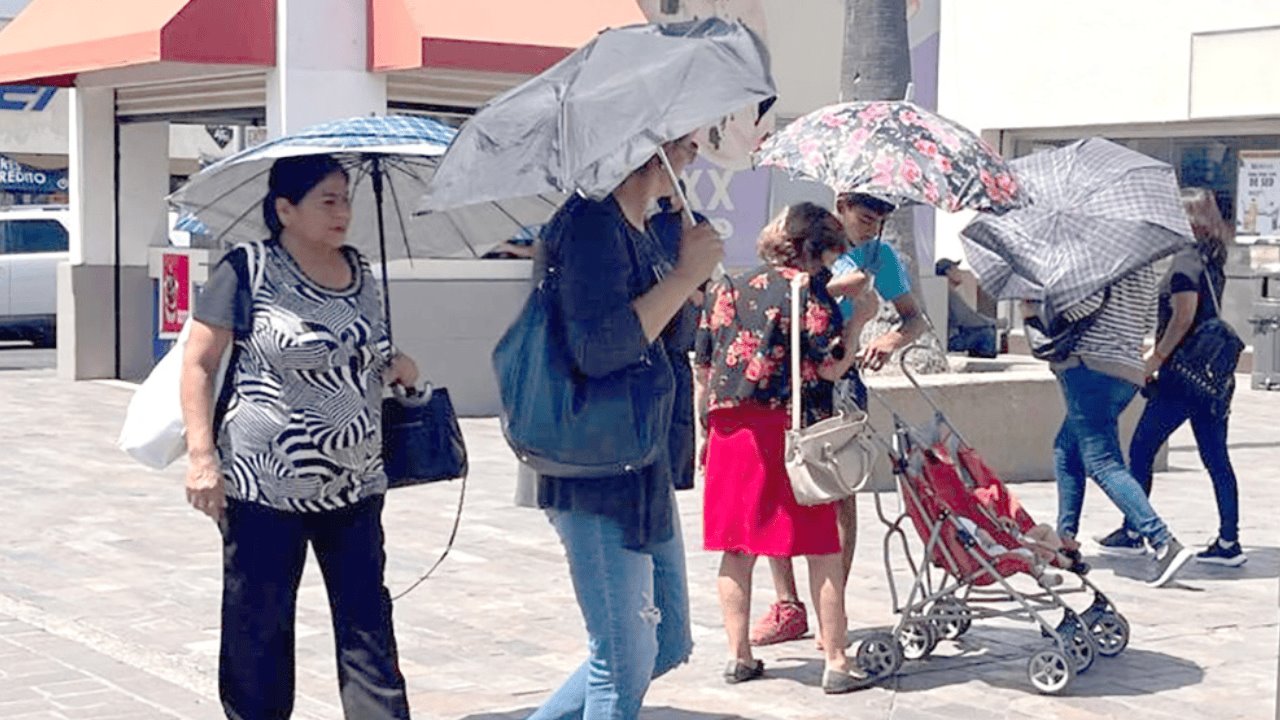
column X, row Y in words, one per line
column 829, row 460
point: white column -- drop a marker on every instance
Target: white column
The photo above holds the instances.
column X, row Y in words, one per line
column 144, row 183
column 91, row 175
column 321, row 66
column 86, row 284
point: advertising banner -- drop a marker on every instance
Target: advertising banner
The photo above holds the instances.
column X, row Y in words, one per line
column 175, row 294
column 736, row 202
column 21, row 179
column 1258, row 193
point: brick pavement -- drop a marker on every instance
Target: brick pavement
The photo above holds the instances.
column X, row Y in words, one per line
column 109, row 591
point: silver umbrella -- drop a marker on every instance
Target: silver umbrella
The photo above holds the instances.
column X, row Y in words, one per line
column 593, row 118
column 1099, row 211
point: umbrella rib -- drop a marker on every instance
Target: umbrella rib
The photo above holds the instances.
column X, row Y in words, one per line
column 461, row 234
column 512, row 218
column 196, row 210
column 234, row 223
column 408, row 169
column 404, row 232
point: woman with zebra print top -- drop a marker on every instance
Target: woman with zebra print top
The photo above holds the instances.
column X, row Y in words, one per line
column 290, row 455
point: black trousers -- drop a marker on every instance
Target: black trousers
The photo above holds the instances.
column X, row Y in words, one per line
column 264, row 551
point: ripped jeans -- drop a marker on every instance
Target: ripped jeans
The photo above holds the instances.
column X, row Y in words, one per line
column 636, row 607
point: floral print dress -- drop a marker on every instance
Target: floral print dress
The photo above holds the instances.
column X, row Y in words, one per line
column 744, row 344
column 744, row 339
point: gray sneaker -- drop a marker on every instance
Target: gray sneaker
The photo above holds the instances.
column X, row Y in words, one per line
column 1121, row 542
column 1169, row 560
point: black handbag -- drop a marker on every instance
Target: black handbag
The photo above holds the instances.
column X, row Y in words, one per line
column 1203, row 365
column 421, row 439
column 1056, row 341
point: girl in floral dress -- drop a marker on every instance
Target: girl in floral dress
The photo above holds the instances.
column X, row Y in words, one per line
column 743, row 372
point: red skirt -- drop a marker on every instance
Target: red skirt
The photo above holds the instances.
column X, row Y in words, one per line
column 748, row 506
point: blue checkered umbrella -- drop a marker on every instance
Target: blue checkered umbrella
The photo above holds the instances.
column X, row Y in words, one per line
column 390, row 160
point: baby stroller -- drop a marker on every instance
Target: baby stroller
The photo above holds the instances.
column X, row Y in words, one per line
column 975, row 561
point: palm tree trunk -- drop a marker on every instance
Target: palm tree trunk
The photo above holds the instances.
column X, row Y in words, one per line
column 876, row 65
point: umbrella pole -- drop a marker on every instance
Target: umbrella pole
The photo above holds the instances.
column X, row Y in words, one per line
column 375, row 176
column 684, row 202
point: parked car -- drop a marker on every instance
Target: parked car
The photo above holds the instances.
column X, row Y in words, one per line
column 33, row 240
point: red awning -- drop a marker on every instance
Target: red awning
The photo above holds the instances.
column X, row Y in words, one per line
column 52, row 42
column 498, row 36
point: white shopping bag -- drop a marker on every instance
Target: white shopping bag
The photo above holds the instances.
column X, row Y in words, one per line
column 154, row 433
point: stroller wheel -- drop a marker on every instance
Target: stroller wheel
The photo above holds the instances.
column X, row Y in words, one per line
column 1050, row 671
column 879, row 655
column 1082, row 650
column 1110, row 633
column 954, row 620
column 919, row 638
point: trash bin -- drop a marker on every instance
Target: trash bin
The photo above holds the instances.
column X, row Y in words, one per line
column 1265, row 320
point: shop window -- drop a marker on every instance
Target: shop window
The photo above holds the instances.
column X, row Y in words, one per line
column 1210, row 161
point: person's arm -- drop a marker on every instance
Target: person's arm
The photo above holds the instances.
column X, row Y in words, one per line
column 849, row 284
column 701, row 249
column 877, row 352
column 823, row 336
column 606, row 329
column 203, row 354
column 402, row 371
column 834, row 369
column 1184, row 305
column 703, row 349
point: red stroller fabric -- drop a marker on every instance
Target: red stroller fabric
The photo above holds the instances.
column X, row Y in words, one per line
column 941, row 491
column 990, row 492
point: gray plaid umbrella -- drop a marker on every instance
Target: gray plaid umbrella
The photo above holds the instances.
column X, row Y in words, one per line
column 1099, row 211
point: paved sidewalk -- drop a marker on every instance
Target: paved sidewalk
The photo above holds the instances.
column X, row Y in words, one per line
column 109, row 595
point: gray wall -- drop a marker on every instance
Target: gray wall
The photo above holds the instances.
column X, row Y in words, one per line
column 1009, row 417
column 449, row 315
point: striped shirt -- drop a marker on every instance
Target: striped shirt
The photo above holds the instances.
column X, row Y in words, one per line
column 1113, row 344
column 303, row 428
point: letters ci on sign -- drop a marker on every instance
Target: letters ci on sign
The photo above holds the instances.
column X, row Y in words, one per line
column 28, row 98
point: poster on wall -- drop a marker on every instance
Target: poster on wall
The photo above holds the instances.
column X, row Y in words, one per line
column 736, row 202
column 1258, row 193
column 175, row 294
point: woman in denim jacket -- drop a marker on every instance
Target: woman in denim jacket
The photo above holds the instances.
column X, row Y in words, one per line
column 622, row 534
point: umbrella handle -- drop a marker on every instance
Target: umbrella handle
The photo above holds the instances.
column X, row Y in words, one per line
column 719, row 272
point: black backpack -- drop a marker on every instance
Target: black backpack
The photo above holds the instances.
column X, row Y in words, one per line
column 1203, row 365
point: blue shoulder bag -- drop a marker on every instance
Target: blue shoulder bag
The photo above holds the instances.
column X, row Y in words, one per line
column 563, row 423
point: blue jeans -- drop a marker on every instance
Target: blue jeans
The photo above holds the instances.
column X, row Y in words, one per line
column 636, row 607
column 1089, row 444
column 1165, row 413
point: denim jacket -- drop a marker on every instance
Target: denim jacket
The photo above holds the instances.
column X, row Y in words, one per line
column 604, row 265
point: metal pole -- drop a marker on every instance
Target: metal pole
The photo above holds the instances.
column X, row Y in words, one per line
column 684, row 202
column 375, row 176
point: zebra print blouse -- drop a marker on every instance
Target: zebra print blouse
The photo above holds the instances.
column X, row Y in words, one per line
column 302, row 429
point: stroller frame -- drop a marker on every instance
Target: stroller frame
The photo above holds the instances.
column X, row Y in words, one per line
column 944, row 604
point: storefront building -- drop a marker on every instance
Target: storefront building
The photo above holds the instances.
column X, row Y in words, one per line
column 1186, row 82
column 152, row 89
column 131, row 71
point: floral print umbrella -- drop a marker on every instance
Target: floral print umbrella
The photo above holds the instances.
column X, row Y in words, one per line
column 898, row 151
